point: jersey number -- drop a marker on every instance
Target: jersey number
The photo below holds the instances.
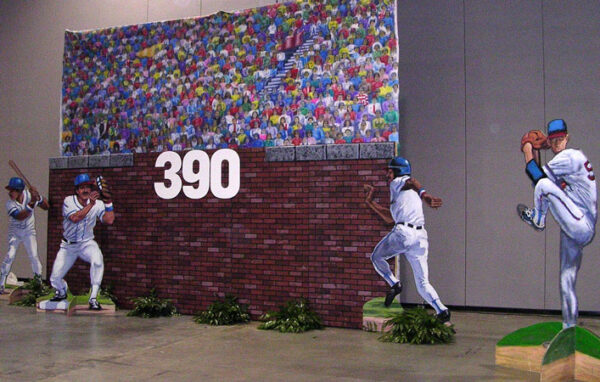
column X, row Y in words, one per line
column 589, row 169
column 208, row 176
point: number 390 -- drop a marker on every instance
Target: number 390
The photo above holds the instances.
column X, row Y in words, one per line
column 207, row 177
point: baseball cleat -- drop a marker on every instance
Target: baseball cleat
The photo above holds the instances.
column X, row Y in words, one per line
column 531, row 216
column 392, row 293
column 94, row 305
column 59, row 296
column 444, row 317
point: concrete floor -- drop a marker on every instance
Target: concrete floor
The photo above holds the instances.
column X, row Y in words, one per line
column 53, row 347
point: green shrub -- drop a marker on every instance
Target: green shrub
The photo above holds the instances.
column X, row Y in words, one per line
column 36, row 288
column 108, row 292
column 224, row 312
column 416, row 326
column 152, row 306
column 294, row 317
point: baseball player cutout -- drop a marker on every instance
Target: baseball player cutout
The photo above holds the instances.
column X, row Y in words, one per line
column 21, row 226
column 80, row 212
column 566, row 186
column 408, row 237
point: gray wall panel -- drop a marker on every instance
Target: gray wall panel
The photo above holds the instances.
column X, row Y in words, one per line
column 571, row 56
column 432, row 126
column 505, row 259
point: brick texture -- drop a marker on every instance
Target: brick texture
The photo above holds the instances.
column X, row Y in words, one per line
column 296, row 229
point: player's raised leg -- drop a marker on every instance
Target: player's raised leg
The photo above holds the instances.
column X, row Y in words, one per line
column 387, row 248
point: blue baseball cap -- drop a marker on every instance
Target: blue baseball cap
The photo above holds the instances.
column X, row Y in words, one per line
column 16, row 184
column 83, row 179
column 557, row 128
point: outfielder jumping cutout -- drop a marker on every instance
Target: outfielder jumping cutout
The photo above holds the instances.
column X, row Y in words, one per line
column 408, row 237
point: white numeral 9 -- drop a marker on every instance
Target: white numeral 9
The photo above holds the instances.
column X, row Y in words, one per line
column 207, row 177
column 196, row 177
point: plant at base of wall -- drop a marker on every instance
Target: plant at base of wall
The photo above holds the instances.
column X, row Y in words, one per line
column 36, row 288
column 152, row 306
column 294, row 317
column 416, row 326
column 224, row 312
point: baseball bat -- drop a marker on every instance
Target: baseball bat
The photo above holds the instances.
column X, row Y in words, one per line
column 19, row 173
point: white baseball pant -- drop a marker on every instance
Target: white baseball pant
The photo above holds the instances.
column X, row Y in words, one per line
column 577, row 231
column 30, row 243
column 88, row 251
column 413, row 244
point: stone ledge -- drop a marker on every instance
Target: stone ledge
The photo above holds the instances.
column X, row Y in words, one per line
column 280, row 154
column 91, row 161
column 313, row 152
column 341, row 151
column 383, row 150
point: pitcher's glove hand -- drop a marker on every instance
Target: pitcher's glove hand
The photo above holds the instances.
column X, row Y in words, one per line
column 537, row 138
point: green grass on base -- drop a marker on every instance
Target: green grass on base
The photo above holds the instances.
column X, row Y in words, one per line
column 84, row 300
column 375, row 308
column 587, row 342
column 78, row 300
column 561, row 347
column 533, row 335
column 584, row 341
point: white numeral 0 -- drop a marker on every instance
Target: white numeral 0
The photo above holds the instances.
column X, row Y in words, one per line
column 207, row 177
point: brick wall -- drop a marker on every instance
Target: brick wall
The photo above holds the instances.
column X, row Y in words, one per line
column 296, row 229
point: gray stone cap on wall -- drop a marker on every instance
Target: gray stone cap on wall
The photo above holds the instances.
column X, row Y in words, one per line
column 92, row 161
column 382, row 150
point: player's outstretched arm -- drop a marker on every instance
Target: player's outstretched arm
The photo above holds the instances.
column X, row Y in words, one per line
column 429, row 199
column 383, row 212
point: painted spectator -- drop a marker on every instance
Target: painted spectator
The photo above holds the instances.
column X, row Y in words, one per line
column 357, row 138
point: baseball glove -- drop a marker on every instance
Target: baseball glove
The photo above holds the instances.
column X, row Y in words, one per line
column 537, row 138
column 105, row 194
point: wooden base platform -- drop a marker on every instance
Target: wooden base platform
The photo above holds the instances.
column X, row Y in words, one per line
column 75, row 305
column 375, row 314
column 558, row 355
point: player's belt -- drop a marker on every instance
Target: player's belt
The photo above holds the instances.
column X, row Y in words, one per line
column 69, row 242
column 411, row 225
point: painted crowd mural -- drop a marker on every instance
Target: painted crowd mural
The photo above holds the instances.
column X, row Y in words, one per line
column 299, row 73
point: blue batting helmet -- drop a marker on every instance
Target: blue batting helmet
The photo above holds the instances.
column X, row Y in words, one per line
column 557, row 128
column 16, row 184
column 83, row 179
column 401, row 166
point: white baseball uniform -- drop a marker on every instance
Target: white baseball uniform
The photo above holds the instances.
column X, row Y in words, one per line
column 408, row 237
column 20, row 231
column 78, row 241
column 569, row 191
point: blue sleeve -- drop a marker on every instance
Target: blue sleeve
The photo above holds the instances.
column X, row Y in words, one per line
column 534, row 171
